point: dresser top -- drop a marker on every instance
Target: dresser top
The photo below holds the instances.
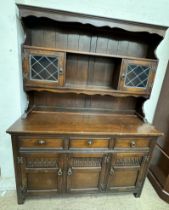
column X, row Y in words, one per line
column 82, row 123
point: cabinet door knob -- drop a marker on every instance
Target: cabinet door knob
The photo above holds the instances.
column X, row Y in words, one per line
column 60, row 172
column 123, row 76
column 69, row 172
column 90, row 142
column 132, row 144
column 61, row 71
column 41, row 142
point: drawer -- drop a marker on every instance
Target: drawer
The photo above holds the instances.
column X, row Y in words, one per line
column 41, row 143
column 89, row 143
column 132, row 143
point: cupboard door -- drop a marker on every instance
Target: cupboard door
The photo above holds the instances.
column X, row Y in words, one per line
column 137, row 75
column 43, row 68
column 124, row 171
column 86, row 172
column 41, row 173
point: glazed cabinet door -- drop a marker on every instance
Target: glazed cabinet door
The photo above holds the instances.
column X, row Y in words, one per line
column 137, row 75
column 41, row 172
column 125, row 171
column 85, row 172
column 43, row 68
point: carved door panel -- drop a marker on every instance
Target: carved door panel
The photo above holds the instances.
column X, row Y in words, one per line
column 125, row 170
column 86, row 172
column 137, row 75
column 41, row 172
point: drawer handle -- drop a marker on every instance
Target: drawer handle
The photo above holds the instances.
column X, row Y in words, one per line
column 60, row 172
column 69, row 172
column 41, row 142
column 90, row 142
column 132, row 144
column 111, row 170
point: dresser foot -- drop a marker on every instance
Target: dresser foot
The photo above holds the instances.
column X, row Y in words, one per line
column 137, row 194
column 20, row 195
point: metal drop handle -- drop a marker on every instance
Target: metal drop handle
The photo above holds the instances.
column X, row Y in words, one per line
column 60, row 172
column 69, row 172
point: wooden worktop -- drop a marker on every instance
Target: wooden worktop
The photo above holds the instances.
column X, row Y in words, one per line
column 82, row 123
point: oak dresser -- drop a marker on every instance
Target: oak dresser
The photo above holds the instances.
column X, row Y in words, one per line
column 86, row 80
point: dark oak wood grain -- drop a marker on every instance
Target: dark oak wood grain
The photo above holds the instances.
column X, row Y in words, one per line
column 86, row 79
column 82, row 123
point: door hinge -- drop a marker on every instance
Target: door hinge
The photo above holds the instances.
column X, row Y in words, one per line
column 20, row 160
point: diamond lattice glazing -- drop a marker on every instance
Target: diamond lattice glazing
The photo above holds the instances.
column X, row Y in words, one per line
column 44, row 68
column 137, row 76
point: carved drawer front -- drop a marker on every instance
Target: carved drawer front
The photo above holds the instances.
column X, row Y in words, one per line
column 41, row 143
column 124, row 170
column 89, row 143
column 85, row 172
column 41, row 172
column 131, row 143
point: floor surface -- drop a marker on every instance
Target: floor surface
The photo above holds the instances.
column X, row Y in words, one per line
column 149, row 200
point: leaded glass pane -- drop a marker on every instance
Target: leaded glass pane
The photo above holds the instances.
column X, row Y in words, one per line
column 44, row 68
column 137, row 76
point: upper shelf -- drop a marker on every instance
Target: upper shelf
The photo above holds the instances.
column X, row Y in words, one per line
column 88, row 53
column 87, row 91
column 73, row 37
column 67, row 56
column 63, row 71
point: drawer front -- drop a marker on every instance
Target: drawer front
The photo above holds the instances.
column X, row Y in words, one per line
column 132, row 143
column 41, row 143
column 89, row 143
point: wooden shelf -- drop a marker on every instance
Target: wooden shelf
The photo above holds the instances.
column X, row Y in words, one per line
column 82, row 123
column 86, row 90
column 89, row 53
